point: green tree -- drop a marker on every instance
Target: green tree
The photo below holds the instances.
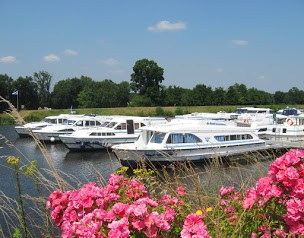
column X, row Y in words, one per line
column 147, row 79
column 296, row 96
column 105, row 94
column 65, row 92
column 232, row 96
column 174, row 95
column 6, row 90
column 43, row 80
column 123, row 94
column 27, row 92
column 202, row 95
column 219, row 96
column 280, row 97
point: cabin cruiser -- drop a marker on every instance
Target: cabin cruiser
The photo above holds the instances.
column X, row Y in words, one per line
column 51, row 134
column 195, row 141
column 220, row 116
column 116, row 131
column 287, row 128
column 25, row 130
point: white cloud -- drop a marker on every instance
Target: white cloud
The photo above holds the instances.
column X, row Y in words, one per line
column 219, row 70
column 51, row 58
column 167, row 26
column 8, row 59
column 70, row 52
column 240, row 42
column 261, row 77
column 110, row 62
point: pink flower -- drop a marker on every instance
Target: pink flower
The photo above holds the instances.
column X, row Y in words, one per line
column 181, row 191
column 194, row 225
column 232, row 218
column 119, row 229
column 279, row 233
column 226, row 191
column 120, row 209
column 250, row 199
column 295, row 211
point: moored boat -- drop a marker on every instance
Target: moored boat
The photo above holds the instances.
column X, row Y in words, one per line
column 117, row 131
column 25, row 130
column 195, row 141
column 289, row 128
column 51, row 134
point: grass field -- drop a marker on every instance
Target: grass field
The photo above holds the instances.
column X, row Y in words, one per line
column 37, row 115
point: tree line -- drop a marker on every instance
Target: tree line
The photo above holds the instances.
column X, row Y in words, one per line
column 145, row 88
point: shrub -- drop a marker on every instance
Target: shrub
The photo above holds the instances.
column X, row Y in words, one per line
column 124, row 208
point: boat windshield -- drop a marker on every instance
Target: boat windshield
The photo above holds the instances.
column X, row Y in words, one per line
column 105, row 124
column 111, row 124
column 69, row 122
column 157, row 137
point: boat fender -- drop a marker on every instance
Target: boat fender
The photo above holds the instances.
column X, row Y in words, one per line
column 52, row 139
column 289, row 122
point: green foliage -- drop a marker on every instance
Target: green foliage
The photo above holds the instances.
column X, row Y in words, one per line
column 146, row 80
column 43, row 80
column 17, row 233
column 179, row 111
column 159, row 111
column 104, row 94
column 33, row 117
column 6, row 89
column 7, row 120
column 65, row 93
column 140, row 101
column 27, row 92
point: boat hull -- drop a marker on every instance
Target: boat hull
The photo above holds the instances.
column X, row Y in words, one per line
column 93, row 144
column 49, row 136
column 167, row 156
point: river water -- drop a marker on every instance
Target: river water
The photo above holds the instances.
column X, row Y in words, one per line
column 94, row 166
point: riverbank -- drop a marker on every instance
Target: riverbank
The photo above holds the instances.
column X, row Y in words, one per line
column 37, row 115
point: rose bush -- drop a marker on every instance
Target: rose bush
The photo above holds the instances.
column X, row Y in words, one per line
column 123, row 208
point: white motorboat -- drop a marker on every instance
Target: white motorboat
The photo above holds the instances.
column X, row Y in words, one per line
column 289, row 128
column 195, row 141
column 258, row 121
column 117, row 131
column 51, row 134
column 24, row 130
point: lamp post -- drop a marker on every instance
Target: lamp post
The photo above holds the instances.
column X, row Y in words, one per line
column 16, row 93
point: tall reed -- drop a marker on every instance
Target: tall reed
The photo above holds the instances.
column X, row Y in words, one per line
column 202, row 183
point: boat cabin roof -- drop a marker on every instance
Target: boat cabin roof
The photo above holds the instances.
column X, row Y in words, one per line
column 253, row 110
column 194, row 126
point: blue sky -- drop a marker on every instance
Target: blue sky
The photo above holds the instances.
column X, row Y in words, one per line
column 259, row 43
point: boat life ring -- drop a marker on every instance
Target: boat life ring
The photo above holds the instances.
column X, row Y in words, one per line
column 246, row 121
column 289, row 122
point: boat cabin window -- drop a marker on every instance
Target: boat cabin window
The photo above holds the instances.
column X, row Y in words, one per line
column 284, row 130
column 66, row 130
column 233, row 137
column 61, row 120
column 121, row 126
column 176, row 138
column 52, row 121
column 137, row 125
column 111, row 124
column 79, row 123
column 91, row 123
column 105, row 123
column 69, row 122
column 262, row 129
column 102, row 134
column 158, row 137
column 273, row 130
